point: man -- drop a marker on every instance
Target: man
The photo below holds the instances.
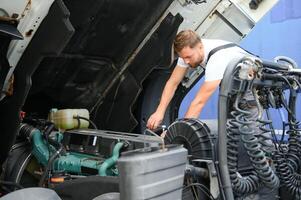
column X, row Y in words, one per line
column 193, row 52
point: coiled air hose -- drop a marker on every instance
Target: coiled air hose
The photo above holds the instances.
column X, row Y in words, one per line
column 287, row 165
column 241, row 185
column 242, row 124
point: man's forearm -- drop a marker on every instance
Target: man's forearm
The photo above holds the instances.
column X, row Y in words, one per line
column 201, row 98
column 194, row 110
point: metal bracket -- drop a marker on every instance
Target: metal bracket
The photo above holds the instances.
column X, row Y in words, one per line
column 192, row 76
column 214, row 187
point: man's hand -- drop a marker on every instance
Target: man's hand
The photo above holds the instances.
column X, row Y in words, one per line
column 170, row 87
column 155, row 120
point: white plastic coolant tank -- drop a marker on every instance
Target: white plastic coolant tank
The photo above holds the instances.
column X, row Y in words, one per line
column 67, row 118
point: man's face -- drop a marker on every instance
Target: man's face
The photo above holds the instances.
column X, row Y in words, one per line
column 192, row 56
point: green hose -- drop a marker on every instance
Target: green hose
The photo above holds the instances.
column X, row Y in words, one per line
column 110, row 161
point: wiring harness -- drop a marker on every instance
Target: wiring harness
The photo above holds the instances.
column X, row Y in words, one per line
column 253, row 88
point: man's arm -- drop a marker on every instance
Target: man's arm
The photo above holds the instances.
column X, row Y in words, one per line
column 204, row 93
column 168, row 92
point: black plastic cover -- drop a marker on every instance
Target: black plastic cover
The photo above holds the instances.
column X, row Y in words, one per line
column 93, row 71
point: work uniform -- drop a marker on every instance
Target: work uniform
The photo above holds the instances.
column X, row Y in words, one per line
column 216, row 65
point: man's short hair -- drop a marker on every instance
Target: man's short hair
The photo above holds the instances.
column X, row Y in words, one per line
column 186, row 38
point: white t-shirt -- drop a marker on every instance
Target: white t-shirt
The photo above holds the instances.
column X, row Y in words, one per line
column 218, row 62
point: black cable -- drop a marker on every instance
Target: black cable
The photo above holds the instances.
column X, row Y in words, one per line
column 59, row 148
column 272, row 129
column 84, row 118
column 283, row 132
column 49, row 128
column 49, row 165
column 202, row 188
column 260, row 118
column 284, row 103
column 50, row 141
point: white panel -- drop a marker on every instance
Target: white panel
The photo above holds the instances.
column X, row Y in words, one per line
column 193, row 14
column 31, row 14
column 238, row 20
column 257, row 14
column 14, row 6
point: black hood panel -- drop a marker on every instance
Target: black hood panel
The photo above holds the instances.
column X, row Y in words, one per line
column 111, row 29
column 91, row 71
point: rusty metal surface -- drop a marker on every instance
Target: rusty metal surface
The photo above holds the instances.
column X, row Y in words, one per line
column 27, row 8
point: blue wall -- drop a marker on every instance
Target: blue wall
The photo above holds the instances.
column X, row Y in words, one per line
column 278, row 33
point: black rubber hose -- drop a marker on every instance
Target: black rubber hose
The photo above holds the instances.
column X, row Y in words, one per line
column 254, row 149
column 59, row 149
column 241, row 125
column 223, row 105
column 288, row 164
column 241, row 185
column 26, row 130
column 49, row 166
column 49, row 128
column 84, row 118
column 288, row 177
